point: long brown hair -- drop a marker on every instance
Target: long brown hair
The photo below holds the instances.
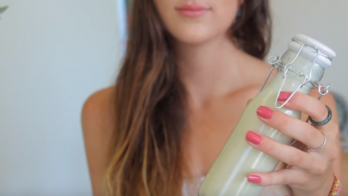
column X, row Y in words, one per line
column 145, row 152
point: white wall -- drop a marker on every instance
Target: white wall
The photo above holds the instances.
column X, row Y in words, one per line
column 323, row 20
column 53, row 54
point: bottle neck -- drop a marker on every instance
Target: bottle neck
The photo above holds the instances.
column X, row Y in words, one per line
column 290, row 84
column 302, row 67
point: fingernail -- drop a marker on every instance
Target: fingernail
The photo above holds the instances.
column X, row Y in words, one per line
column 283, row 96
column 253, row 137
column 254, row 178
column 264, row 112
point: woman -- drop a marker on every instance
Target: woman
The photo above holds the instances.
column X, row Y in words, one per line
column 189, row 70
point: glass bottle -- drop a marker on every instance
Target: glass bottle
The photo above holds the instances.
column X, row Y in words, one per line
column 300, row 69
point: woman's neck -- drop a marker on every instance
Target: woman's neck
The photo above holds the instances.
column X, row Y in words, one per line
column 210, row 70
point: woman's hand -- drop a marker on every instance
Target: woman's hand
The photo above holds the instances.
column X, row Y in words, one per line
column 308, row 172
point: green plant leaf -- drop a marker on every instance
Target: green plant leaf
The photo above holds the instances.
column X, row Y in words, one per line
column 2, row 9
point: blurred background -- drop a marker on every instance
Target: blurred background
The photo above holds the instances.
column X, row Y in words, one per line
column 55, row 53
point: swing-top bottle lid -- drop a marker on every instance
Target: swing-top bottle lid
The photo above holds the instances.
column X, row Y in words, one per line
column 312, row 48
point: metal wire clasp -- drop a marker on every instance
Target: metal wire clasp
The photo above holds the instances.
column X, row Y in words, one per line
column 276, row 62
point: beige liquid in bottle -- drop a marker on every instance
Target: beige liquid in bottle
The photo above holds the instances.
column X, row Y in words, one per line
column 227, row 176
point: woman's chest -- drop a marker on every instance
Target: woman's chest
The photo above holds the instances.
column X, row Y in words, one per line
column 209, row 129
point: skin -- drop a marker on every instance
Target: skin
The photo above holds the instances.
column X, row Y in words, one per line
column 220, row 79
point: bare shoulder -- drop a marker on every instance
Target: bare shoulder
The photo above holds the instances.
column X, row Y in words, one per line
column 255, row 72
column 97, row 128
column 97, row 110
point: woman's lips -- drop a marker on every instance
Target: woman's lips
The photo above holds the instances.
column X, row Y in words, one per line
column 192, row 10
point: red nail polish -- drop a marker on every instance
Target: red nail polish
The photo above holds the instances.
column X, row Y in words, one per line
column 254, row 178
column 264, row 112
column 283, row 96
column 253, row 137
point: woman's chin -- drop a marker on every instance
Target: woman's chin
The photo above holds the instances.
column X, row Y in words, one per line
column 193, row 39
